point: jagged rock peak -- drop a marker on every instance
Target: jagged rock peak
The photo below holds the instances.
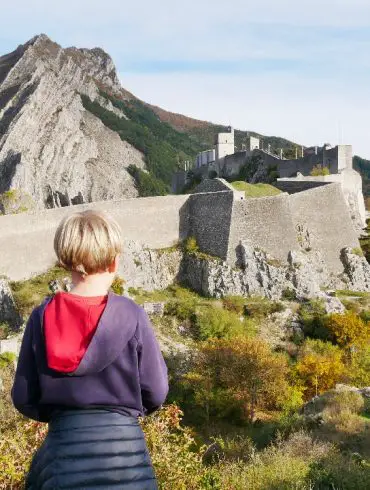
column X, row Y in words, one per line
column 51, row 147
column 95, row 61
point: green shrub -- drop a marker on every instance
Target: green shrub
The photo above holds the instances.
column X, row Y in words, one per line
column 258, row 307
column 234, row 303
column 358, row 251
column 283, row 465
column 319, row 170
column 191, row 246
column 312, row 315
column 340, row 471
column 289, row 294
column 146, row 183
column 217, row 323
column 183, row 309
column 345, row 401
column 7, row 358
column 176, row 458
column 118, row 285
column 358, row 370
column 4, row 330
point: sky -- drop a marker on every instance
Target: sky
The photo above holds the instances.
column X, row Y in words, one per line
column 299, row 70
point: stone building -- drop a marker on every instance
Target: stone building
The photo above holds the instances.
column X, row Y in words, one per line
column 225, row 144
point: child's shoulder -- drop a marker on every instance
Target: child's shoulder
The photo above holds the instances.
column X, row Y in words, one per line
column 129, row 306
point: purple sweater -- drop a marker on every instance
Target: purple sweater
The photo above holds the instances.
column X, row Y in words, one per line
column 122, row 370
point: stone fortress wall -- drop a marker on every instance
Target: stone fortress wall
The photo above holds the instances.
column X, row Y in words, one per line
column 26, row 240
column 350, row 181
column 219, row 221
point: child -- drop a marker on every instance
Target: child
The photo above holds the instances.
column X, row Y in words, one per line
column 89, row 365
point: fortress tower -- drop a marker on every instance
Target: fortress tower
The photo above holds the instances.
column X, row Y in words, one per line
column 225, row 144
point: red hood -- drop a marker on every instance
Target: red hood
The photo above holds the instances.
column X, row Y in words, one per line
column 70, row 322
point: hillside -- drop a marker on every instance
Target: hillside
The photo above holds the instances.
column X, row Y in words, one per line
column 240, row 414
column 363, row 166
column 204, row 132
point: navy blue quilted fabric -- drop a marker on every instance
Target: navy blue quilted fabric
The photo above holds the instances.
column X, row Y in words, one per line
column 92, row 449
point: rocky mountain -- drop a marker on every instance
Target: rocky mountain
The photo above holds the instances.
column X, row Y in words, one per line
column 50, row 146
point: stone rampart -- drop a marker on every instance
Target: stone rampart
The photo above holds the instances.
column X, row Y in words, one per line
column 314, row 219
column 323, row 222
column 292, row 186
column 213, row 185
column 210, row 220
column 26, row 240
column 264, row 223
column 351, row 183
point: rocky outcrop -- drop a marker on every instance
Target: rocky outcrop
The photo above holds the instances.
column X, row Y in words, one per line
column 258, row 274
column 50, row 146
column 304, row 277
column 8, row 311
column 357, row 270
column 149, row 269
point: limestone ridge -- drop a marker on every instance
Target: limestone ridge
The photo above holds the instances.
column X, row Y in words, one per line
column 50, row 146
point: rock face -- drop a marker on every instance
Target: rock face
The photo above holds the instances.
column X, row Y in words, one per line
column 258, row 274
column 149, row 269
column 357, row 270
column 8, row 312
column 50, row 146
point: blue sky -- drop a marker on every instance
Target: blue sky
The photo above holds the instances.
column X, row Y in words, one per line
column 301, row 71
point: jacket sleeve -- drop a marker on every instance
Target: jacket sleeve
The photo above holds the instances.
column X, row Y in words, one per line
column 26, row 388
column 152, row 368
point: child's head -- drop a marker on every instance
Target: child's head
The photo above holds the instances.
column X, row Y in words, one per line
column 88, row 242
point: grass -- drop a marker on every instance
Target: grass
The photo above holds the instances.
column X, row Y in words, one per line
column 255, row 190
column 356, row 294
column 141, row 296
column 30, row 293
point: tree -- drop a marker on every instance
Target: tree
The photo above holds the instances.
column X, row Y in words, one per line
column 320, row 366
column 244, row 372
column 359, row 368
column 348, row 330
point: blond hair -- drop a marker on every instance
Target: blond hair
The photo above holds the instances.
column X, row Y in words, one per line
column 87, row 242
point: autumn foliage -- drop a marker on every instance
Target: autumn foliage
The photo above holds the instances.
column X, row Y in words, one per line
column 242, row 373
column 320, row 366
column 348, row 330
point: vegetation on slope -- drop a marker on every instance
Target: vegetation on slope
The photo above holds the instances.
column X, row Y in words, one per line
column 205, row 132
column 363, row 166
column 168, row 140
column 365, row 242
column 164, row 148
column 255, row 190
column 242, row 397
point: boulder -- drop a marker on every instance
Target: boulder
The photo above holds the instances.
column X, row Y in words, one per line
column 8, row 312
